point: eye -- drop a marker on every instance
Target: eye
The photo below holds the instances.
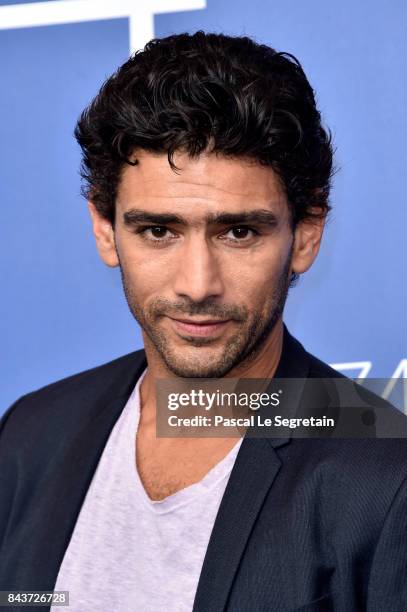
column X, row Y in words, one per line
column 240, row 233
column 156, row 233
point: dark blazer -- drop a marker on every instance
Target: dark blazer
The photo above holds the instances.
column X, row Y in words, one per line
column 304, row 525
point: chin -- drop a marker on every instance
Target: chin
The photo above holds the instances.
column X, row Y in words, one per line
column 196, row 368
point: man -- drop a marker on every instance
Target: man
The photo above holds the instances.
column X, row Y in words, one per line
column 207, row 172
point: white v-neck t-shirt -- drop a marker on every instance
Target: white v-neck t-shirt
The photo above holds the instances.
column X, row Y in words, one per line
column 129, row 553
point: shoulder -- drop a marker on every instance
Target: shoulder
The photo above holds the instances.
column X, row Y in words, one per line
column 67, row 402
column 368, row 450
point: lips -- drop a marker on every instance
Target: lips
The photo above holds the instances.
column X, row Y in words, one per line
column 195, row 327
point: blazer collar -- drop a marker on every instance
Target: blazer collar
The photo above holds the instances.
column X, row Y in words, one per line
column 294, row 363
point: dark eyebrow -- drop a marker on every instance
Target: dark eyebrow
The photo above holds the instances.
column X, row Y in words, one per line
column 260, row 216
column 142, row 216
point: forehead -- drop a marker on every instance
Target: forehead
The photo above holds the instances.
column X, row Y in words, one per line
column 212, row 182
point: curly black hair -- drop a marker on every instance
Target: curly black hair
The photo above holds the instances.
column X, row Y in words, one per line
column 208, row 92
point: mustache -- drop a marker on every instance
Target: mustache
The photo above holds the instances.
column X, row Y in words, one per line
column 164, row 307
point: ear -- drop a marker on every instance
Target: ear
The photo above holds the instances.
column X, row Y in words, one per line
column 104, row 235
column 307, row 240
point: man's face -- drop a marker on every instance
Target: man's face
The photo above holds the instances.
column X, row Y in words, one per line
column 205, row 257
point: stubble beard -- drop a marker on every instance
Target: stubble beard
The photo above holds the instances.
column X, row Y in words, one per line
column 241, row 348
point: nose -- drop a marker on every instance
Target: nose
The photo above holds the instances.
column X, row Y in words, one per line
column 198, row 276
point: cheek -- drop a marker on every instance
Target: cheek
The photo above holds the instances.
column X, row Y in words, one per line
column 146, row 275
column 253, row 277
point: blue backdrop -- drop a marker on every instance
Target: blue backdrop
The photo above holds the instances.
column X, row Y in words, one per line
column 62, row 311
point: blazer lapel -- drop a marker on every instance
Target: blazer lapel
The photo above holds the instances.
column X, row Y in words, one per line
column 255, row 469
column 253, row 474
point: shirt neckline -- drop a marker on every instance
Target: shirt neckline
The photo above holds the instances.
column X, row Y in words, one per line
column 185, row 495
